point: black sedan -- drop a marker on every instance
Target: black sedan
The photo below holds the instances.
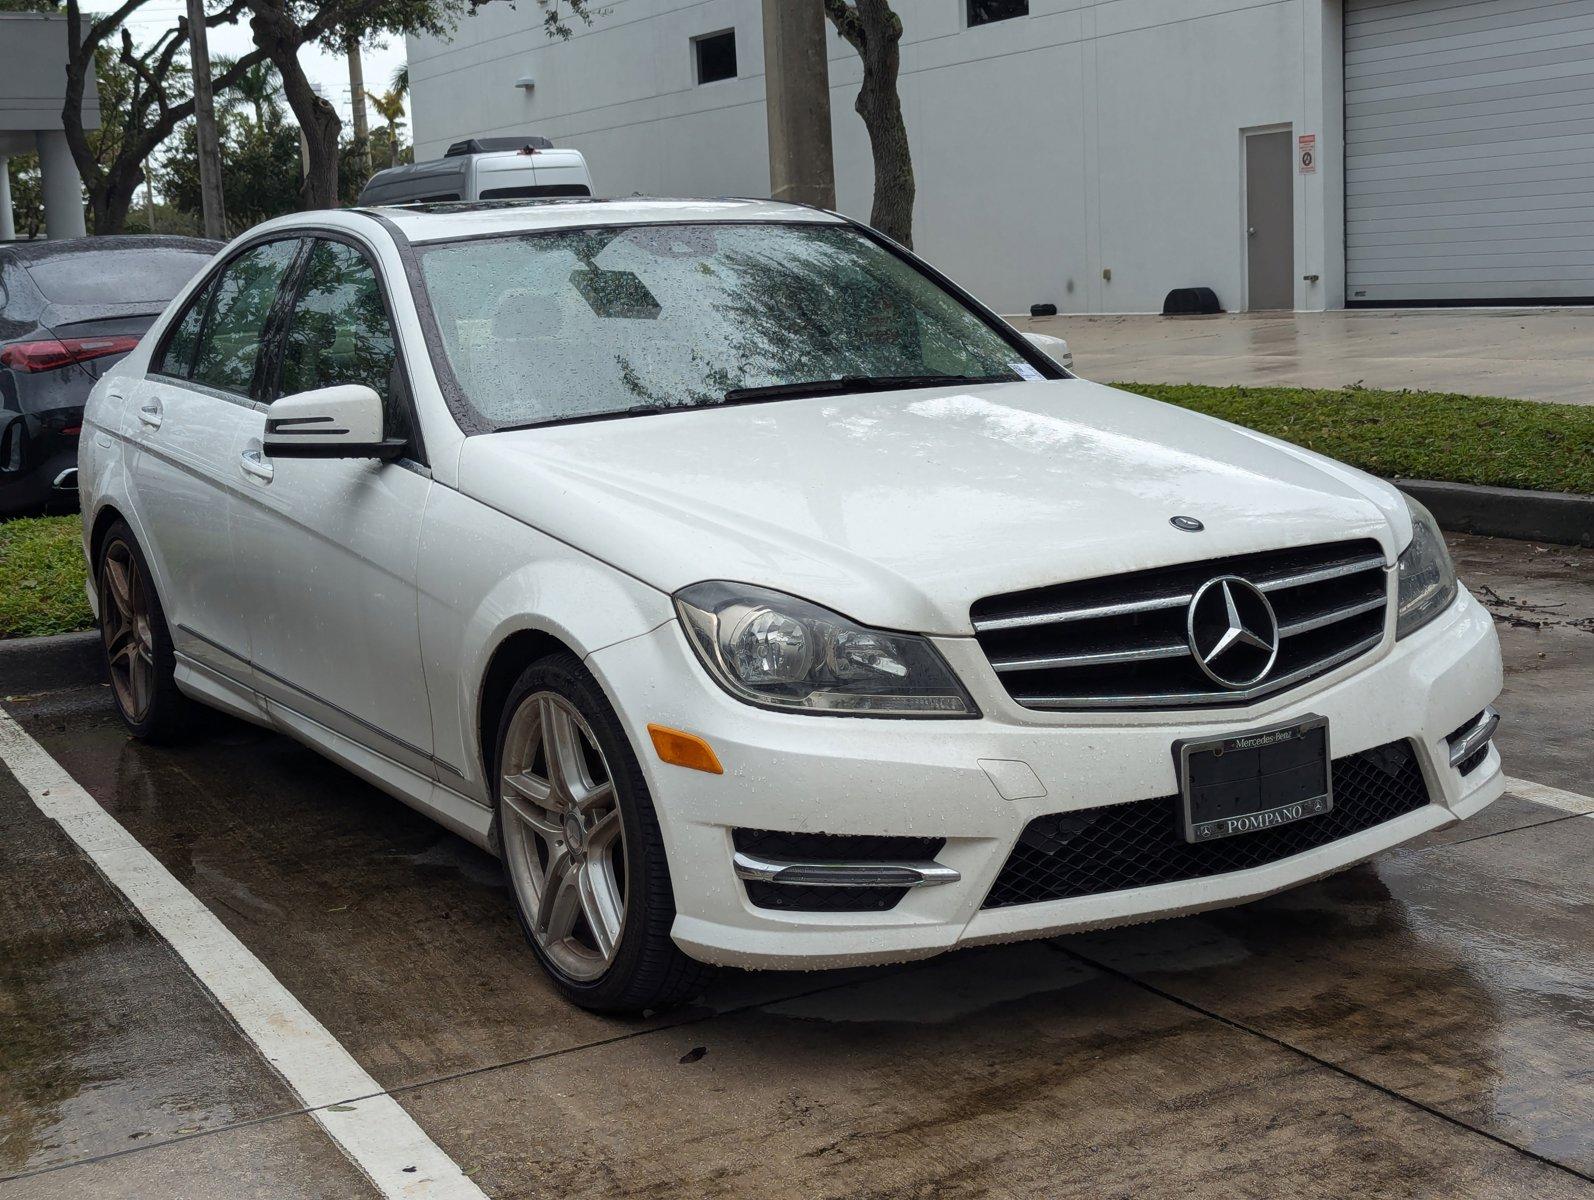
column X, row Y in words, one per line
column 68, row 310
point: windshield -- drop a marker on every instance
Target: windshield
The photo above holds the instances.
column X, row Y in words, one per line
column 592, row 322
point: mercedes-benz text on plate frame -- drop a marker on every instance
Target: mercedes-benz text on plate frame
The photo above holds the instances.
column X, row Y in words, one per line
column 757, row 594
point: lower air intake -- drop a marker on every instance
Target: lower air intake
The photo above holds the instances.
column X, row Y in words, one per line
column 1121, row 846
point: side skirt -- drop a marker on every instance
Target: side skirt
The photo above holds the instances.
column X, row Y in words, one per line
column 469, row 818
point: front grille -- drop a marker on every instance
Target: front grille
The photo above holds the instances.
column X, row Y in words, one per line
column 829, row 847
column 1121, row 643
column 1141, row 843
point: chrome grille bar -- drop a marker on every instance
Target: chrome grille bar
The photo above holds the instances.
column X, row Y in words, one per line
column 1188, row 699
column 1098, row 658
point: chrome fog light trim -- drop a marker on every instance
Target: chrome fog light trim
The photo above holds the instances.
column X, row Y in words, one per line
column 1472, row 739
column 843, row 874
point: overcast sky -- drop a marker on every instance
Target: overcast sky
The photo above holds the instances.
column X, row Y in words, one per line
column 330, row 71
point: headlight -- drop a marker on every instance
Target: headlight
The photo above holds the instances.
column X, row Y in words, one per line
column 777, row 651
column 1427, row 576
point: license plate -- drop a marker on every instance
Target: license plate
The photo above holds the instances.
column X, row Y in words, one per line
column 1248, row 782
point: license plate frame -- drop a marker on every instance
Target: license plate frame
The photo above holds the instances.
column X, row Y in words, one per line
column 1270, row 779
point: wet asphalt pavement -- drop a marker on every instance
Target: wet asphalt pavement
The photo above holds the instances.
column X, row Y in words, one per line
column 1422, row 1025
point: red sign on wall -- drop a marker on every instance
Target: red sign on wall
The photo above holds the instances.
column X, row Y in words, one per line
column 1306, row 153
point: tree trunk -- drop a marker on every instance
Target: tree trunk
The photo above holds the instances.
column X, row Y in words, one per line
column 875, row 32
column 111, row 207
column 276, row 34
column 362, row 129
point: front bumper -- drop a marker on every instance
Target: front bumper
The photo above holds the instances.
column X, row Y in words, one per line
column 933, row 778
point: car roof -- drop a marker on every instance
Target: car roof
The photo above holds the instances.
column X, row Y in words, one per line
column 490, row 218
column 42, row 248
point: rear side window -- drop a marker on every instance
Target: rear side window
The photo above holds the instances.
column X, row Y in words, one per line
column 235, row 323
column 178, row 356
column 339, row 332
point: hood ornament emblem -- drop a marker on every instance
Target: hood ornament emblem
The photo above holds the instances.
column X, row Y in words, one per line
column 1188, row 524
column 1233, row 631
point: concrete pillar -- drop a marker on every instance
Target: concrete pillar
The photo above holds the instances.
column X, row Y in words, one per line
column 8, row 224
column 61, row 185
column 797, row 100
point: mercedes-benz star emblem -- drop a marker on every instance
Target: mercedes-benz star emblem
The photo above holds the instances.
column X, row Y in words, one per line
column 1188, row 524
column 1233, row 633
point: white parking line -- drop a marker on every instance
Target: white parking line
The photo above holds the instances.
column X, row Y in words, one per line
column 371, row 1128
column 1542, row 794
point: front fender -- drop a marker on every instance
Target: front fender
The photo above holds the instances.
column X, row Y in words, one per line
column 486, row 577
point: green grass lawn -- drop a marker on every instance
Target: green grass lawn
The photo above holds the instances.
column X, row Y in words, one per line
column 1417, row 435
column 41, row 577
column 1414, row 435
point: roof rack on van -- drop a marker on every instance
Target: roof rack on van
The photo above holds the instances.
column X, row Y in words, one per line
column 490, row 144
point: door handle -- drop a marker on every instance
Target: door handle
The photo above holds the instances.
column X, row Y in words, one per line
column 150, row 414
column 254, row 463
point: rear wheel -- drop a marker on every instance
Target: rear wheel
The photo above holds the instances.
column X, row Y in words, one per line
column 581, row 843
column 138, row 645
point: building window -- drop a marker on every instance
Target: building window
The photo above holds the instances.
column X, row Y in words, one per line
column 983, row 12
column 716, row 56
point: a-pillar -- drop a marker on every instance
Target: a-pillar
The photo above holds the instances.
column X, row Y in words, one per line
column 61, row 185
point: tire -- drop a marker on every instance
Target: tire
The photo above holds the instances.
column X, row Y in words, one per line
column 137, row 643
column 636, row 967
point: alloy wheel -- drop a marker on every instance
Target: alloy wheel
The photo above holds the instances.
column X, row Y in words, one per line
column 125, row 626
column 564, row 840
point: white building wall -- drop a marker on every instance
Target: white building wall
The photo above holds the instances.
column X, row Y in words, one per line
column 1093, row 137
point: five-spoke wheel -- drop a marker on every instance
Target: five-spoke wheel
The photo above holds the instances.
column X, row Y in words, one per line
column 124, row 624
column 138, row 645
column 581, row 841
column 564, row 841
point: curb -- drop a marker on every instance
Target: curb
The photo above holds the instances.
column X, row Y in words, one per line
column 48, row 664
column 1558, row 517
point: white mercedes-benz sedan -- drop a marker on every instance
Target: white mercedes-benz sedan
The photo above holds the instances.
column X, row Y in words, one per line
column 759, row 596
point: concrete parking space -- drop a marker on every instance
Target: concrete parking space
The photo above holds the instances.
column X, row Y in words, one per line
column 1527, row 354
column 1416, row 1026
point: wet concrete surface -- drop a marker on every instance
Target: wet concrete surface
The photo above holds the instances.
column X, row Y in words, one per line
column 1542, row 598
column 1528, row 354
column 1422, row 1025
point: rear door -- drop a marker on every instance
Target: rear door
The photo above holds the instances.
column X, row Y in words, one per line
column 327, row 546
column 191, row 416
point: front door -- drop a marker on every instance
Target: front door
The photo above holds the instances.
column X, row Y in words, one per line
column 1270, row 220
column 327, row 546
column 192, row 413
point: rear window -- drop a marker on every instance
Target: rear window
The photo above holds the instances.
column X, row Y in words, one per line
column 131, row 276
column 532, row 191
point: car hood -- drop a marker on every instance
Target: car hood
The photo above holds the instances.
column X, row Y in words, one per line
column 901, row 509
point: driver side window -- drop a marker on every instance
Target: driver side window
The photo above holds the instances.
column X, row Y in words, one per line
column 339, row 332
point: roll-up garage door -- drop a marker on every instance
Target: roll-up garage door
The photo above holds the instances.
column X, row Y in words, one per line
column 1469, row 150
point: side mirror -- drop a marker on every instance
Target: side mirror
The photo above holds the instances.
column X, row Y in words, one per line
column 344, row 421
column 1054, row 348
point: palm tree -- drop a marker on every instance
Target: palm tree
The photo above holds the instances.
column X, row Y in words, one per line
column 390, row 107
column 400, row 84
column 257, row 88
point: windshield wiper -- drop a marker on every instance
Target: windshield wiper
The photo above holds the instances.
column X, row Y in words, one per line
column 854, row 383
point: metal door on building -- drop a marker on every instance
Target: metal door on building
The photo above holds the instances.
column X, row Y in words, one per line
column 1469, row 150
column 1269, row 220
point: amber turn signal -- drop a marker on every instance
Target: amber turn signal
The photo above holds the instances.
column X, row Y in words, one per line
column 684, row 749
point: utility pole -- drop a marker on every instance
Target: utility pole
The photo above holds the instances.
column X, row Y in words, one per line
column 362, row 131
column 797, row 99
column 149, row 199
column 206, row 138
